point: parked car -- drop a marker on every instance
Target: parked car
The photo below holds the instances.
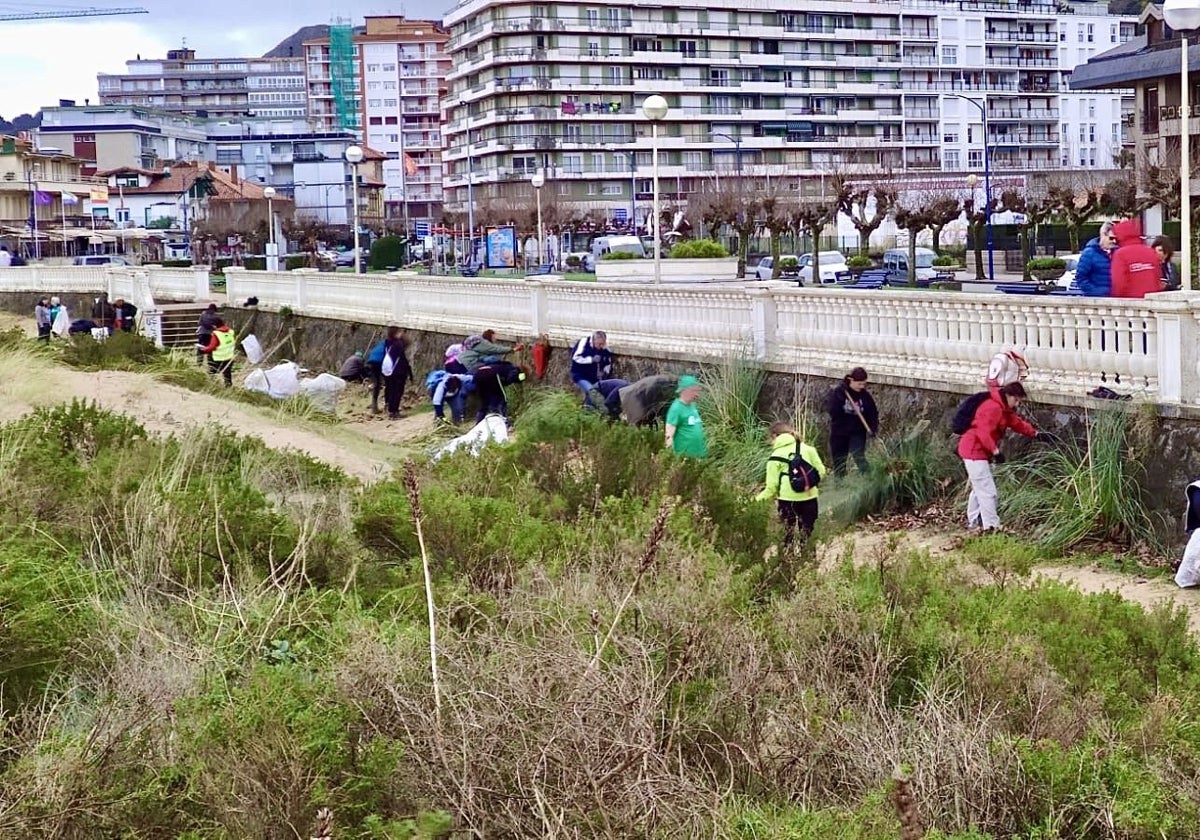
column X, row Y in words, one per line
column 831, row 264
column 895, row 262
column 99, row 259
column 1068, row 277
column 765, row 269
column 602, row 245
column 344, row 257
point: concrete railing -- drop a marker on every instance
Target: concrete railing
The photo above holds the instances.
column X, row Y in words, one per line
column 941, row 340
column 174, row 284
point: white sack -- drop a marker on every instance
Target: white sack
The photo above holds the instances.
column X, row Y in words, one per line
column 322, row 391
column 490, row 428
column 253, row 350
column 1189, row 569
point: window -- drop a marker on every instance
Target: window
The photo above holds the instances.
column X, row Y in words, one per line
column 949, row 55
column 1091, row 33
column 613, row 75
column 593, row 17
column 693, row 161
column 389, row 85
column 650, row 73
column 687, row 49
column 572, row 134
column 1092, row 133
column 950, row 158
column 592, row 188
column 1112, row 33
column 372, row 85
column 1082, row 158
column 372, row 68
column 1116, row 133
column 950, row 134
column 1080, row 33
column 374, row 103
column 389, row 103
column 1092, row 158
column 564, row 189
column 597, row 161
column 1082, row 133
column 614, row 18
column 389, row 68
column 718, row 77
column 1091, row 107
column 974, row 159
column 614, row 188
column 593, row 49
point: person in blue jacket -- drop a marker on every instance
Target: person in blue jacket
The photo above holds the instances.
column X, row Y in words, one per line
column 1093, row 273
column 591, row 362
column 374, row 367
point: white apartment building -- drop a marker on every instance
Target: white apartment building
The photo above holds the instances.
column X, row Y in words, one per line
column 890, row 85
column 399, row 68
column 209, row 87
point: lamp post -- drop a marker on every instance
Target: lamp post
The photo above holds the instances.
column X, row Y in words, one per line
column 35, row 172
column 654, row 108
column 539, row 180
column 470, row 186
column 354, row 156
column 987, row 178
column 272, row 249
column 1183, row 16
column 737, row 146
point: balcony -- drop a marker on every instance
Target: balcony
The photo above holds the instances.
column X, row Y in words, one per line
column 1019, row 37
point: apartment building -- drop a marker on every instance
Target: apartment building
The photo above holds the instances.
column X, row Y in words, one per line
column 213, row 87
column 61, row 188
column 114, row 136
column 386, row 81
column 896, row 85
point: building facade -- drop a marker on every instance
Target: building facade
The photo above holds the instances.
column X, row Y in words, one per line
column 213, row 87
column 112, row 136
column 42, row 190
column 897, row 86
column 398, row 69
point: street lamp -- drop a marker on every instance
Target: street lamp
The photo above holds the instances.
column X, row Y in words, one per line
column 539, row 180
column 470, row 185
column 1183, row 16
column 654, row 108
column 354, row 156
column 272, row 249
column 35, row 174
column 737, row 145
column 987, row 180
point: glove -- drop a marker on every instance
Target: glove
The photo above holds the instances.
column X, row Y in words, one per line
column 998, row 458
column 1047, row 437
column 201, row 346
column 518, row 348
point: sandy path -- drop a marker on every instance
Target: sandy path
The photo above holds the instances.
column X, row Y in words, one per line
column 1147, row 592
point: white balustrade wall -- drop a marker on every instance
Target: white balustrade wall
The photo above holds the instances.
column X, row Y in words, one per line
column 1147, row 347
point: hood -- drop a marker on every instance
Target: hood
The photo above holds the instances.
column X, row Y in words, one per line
column 1094, row 245
column 786, row 440
column 1128, row 232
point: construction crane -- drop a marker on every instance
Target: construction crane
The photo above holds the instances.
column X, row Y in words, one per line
column 72, row 13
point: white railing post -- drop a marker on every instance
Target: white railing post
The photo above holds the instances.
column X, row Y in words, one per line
column 764, row 322
column 1177, row 315
column 200, row 276
column 301, row 291
column 538, row 314
column 398, row 300
column 233, row 274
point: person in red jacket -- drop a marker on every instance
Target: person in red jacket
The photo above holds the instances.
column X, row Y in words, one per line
column 1136, row 267
column 979, row 448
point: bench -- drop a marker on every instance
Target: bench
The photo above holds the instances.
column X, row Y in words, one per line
column 545, row 268
column 468, row 270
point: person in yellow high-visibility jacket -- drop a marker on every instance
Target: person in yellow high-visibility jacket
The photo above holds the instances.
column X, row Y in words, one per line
column 221, row 348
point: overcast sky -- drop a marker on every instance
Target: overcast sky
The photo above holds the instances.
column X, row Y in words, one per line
column 60, row 59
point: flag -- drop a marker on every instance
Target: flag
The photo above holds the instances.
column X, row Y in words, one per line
column 410, row 165
column 69, row 199
column 42, row 199
column 99, row 196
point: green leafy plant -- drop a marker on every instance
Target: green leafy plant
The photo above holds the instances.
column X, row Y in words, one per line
column 944, row 260
column 703, row 249
column 573, row 261
column 387, row 252
column 1046, row 268
column 120, row 351
column 621, row 255
column 859, row 261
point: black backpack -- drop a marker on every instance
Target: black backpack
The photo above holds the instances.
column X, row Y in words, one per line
column 800, row 473
column 964, row 415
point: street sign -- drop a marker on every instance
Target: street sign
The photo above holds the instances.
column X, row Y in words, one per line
column 620, row 215
column 421, row 228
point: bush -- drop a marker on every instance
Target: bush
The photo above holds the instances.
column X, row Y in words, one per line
column 859, row 261
column 944, row 260
column 120, row 351
column 699, row 249
column 387, row 252
column 1049, row 264
column 574, row 261
column 621, row 255
column 175, row 263
column 221, row 263
column 254, row 263
column 789, row 263
column 293, row 261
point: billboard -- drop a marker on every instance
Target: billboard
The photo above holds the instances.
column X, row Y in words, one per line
column 502, row 247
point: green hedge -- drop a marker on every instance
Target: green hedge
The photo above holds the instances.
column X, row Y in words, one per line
column 699, row 249
column 387, row 252
column 621, row 255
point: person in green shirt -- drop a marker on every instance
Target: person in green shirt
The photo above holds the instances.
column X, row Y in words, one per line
column 685, row 430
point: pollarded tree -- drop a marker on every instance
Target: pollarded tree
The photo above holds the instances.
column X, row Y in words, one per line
column 855, row 195
column 914, row 214
column 1034, row 207
column 944, row 207
column 812, row 209
column 1076, row 198
column 774, row 206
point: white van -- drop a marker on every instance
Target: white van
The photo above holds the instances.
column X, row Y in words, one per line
column 895, row 262
column 602, row 245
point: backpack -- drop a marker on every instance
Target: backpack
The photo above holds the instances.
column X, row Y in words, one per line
column 802, row 475
column 964, row 415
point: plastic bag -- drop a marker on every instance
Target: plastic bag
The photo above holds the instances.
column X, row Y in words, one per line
column 389, row 365
column 1189, row 570
column 322, row 391
column 490, row 428
column 62, row 323
column 282, row 381
column 253, row 350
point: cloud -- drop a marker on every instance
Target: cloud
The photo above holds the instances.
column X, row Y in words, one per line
column 60, row 60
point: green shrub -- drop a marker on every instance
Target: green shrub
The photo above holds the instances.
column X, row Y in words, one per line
column 120, row 351
column 859, row 261
column 175, row 263
column 254, row 263
column 1048, row 264
column 621, row 255
column 699, row 249
column 789, row 263
column 573, row 261
column 387, row 252
column 295, row 261
column 944, row 260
